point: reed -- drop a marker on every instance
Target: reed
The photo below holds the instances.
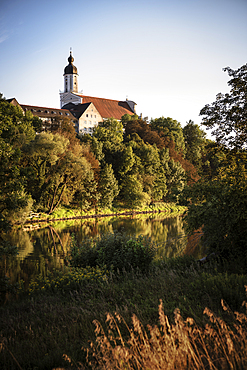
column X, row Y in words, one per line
column 181, row 345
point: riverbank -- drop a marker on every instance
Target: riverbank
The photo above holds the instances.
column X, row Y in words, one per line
column 64, row 213
column 43, row 330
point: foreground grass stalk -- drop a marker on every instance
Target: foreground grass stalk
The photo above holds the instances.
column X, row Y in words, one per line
column 182, row 345
column 3, row 346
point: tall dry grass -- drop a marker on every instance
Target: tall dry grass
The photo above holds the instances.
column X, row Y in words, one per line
column 178, row 345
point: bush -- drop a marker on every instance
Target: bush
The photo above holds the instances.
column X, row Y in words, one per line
column 115, row 251
column 67, row 280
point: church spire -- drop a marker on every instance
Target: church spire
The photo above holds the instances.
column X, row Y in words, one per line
column 70, row 58
column 70, row 76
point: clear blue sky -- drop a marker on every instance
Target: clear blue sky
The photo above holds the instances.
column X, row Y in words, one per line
column 166, row 55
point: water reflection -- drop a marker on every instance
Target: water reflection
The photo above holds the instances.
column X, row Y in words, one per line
column 45, row 249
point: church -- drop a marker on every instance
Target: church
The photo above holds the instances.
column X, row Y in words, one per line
column 84, row 111
column 88, row 110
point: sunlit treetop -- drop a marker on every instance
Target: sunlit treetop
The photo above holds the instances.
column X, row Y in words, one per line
column 227, row 116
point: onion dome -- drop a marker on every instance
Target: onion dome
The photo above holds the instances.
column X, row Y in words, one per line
column 70, row 68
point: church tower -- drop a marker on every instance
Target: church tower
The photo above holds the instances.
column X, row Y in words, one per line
column 70, row 76
column 70, row 84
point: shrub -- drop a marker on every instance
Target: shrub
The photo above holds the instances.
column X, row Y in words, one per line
column 83, row 255
column 67, row 280
column 117, row 251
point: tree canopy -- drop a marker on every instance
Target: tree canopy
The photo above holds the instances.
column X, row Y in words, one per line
column 227, row 116
column 171, row 128
column 48, row 167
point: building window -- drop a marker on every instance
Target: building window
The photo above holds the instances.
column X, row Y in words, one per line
column 86, row 115
column 95, row 116
column 85, row 122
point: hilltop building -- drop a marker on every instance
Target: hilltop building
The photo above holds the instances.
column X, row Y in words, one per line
column 50, row 116
column 84, row 111
column 89, row 110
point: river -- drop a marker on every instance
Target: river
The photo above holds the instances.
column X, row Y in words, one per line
column 46, row 248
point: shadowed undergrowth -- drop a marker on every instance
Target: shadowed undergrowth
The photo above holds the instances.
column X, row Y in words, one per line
column 52, row 324
column 36, row 331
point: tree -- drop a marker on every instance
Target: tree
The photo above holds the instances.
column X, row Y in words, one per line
column 110, row 134
column 161, row 132
column 219, row 206
column 87, row 195
column 227, row 116
column 58, row 171
column 128, row 117
column 144, row 131
column 159, row 189
column 195, row 142
column 13, row 197
column 191, row 174
column 41, row 155
column 15, row 130
column 108, row 186
column 15, row 127
column 171, row 128
column 175, row 178
column 132, row 192
column 151, row 170
column 36, row 122
column 128, row 161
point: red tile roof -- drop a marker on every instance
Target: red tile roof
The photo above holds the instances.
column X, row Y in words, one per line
column 107, row 107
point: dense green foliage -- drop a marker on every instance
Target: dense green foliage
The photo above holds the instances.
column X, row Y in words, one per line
column 195, row 145
column 130, row 162
column 217, row 204
column 220, row 208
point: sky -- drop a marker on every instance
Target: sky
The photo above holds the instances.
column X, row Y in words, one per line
column 165, row 55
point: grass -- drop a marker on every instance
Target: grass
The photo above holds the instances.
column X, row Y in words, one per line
column 182, row 345
column 54, row 328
